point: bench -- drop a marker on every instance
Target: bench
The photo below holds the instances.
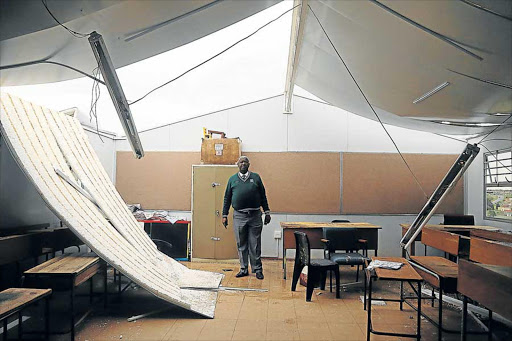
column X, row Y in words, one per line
column 66, row 272
column 14, row 300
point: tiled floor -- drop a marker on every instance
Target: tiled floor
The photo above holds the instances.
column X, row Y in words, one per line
column 278, row 314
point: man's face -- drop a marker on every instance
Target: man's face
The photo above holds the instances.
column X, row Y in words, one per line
column 243, row 165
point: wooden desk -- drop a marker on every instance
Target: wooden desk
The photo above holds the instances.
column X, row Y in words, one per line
column 446, row 237
column 314, row 231
column 14, row 300
column 405, row 274
column 489, row 285
column 65, row 273
column 173, row 239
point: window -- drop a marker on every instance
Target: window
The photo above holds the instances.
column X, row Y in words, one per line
column 498, row 185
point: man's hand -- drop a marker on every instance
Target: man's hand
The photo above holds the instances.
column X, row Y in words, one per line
column 225, row 222
column 267, row 219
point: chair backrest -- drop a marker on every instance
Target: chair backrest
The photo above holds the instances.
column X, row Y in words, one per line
column 340, row 238
column 302, row 250
column 458, row 219
column 340, row 221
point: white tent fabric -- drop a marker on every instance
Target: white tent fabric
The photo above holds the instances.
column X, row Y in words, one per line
column 45, row 143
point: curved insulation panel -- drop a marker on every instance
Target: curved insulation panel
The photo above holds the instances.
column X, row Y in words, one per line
column 54, row 152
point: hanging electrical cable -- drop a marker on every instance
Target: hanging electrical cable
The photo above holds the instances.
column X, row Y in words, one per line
column 368, row 102
column 45, row 61
column 95, row 96
column 495, row 128
column 214, row 56
column 73, row 33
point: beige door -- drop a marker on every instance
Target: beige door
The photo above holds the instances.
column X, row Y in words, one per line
column 210, row 239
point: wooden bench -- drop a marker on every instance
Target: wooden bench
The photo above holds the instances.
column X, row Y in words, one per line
column 14, row 300
column 66, row 272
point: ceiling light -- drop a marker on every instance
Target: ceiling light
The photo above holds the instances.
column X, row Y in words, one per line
column 116, row 92
column 431, row 92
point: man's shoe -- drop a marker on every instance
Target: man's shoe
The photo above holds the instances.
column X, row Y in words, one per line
column 259, row 275
column 242, row 273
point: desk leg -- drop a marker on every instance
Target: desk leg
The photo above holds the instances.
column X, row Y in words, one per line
column 401, row 295
column 464, row 318
column 47, row 318
column 369, row 308
column 20, row 328
column 440, row 327
column 72, row 309
column 490, row 325
column 418, row 327
column 105, row 291
column 284, row 262
column 90, row 289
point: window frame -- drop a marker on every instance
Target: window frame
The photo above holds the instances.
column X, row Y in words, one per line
column 486, row 161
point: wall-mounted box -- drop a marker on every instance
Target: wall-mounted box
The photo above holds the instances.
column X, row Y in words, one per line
column 220, row 151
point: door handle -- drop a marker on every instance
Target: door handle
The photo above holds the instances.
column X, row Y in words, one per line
column 217, row 213
column 216, row 239
column 214, row 184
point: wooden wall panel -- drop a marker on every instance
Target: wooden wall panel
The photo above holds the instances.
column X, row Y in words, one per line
column 381, row 183
column 300, row 182
column 160, row 180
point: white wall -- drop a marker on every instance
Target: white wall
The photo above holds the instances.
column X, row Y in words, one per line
column 313, row 127
column 20, row 203
column 475, row 178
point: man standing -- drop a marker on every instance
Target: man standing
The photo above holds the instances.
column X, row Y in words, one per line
column 246, row 192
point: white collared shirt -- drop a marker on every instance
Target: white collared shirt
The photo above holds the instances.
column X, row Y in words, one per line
column 245, row 176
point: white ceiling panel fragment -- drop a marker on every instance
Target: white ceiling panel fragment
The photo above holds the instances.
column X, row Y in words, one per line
column 44, row 142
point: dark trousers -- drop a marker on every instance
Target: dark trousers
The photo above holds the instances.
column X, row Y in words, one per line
column 247, row 228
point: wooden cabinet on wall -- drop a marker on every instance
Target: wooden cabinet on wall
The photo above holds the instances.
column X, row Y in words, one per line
column 210, row 240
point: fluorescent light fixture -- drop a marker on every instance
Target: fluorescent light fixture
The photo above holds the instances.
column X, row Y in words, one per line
column 116, row 92
column 469, row 124
column 431, row 92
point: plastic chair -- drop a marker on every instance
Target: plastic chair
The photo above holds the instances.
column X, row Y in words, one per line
column 317, row 268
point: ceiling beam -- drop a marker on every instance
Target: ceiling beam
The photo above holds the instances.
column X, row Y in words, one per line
column 297, row 33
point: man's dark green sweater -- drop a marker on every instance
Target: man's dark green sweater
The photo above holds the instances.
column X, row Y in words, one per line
column 245, row 194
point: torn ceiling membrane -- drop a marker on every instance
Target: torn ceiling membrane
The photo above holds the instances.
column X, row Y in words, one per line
column 54, row 152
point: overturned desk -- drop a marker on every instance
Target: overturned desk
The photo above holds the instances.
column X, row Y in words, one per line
column 314, row 231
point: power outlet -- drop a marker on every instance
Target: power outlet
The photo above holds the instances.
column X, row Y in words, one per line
column 277, row 234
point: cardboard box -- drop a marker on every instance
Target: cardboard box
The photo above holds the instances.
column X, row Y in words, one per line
column 220, row 151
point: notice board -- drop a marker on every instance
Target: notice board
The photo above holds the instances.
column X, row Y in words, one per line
column 379, row 183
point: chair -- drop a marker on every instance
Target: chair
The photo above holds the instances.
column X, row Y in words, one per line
column 345, row 239
column 317, row 268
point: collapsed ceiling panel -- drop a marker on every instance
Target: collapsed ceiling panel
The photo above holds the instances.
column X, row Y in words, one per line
column 456, row 58
column 53, row 151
